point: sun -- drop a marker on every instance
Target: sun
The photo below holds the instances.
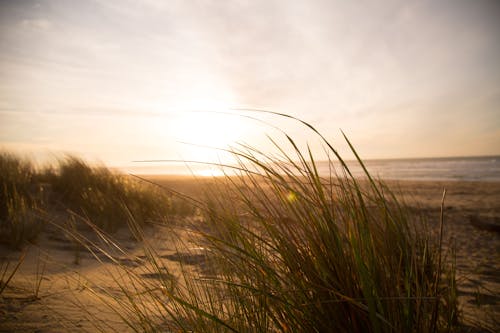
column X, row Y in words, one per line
column 209, row 126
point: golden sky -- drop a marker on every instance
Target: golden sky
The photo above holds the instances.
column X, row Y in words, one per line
column 125, row 80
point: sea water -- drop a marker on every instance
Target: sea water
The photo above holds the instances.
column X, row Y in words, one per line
column 425, row 169
column 486, row 168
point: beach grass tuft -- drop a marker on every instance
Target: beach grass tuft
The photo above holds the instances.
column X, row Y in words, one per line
column 30, row 197
column 273, row 246
column 106, row 198
column 20, row 205
column 289, row 250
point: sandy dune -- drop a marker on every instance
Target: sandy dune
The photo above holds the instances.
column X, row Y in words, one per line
column 62, row 287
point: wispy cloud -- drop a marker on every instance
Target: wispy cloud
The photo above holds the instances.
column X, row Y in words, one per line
column 355, row 65
column 36, row 24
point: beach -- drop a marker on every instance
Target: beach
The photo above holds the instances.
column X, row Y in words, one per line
column 250, row 166
column 62, row 288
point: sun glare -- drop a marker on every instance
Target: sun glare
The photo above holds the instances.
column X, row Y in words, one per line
column 209, row 125
column 209, row 129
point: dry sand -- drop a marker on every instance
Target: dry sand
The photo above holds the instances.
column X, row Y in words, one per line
column 70, row 296
column 472, row 225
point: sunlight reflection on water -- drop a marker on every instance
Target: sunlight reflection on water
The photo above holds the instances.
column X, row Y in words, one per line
column 430, row 169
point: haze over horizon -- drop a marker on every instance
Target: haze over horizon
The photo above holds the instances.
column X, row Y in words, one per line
column 129, row 80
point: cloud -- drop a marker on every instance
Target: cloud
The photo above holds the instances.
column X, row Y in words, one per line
column 36, row 24
column 347, row 64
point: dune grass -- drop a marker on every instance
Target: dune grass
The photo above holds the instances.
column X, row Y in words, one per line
column 283, row 248
column 20, row 203
column 106, row 198
column 291, row 251
column 29, row 197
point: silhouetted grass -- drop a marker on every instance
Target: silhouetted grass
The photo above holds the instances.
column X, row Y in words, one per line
column 20, row 201
column 28, row 197
column 105, row 198
column 287, row 250
column 280, row 248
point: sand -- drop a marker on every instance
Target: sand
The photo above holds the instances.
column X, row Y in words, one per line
column 61, row 288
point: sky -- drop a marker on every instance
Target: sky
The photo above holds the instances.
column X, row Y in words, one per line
column 126, row 80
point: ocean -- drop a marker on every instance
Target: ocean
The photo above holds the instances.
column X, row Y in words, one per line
column 485, row 168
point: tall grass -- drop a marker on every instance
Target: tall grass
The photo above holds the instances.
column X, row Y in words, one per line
column 20, row 202
column 292, row 251
column 106, row 198
column 29, row 197
column 283, row 248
